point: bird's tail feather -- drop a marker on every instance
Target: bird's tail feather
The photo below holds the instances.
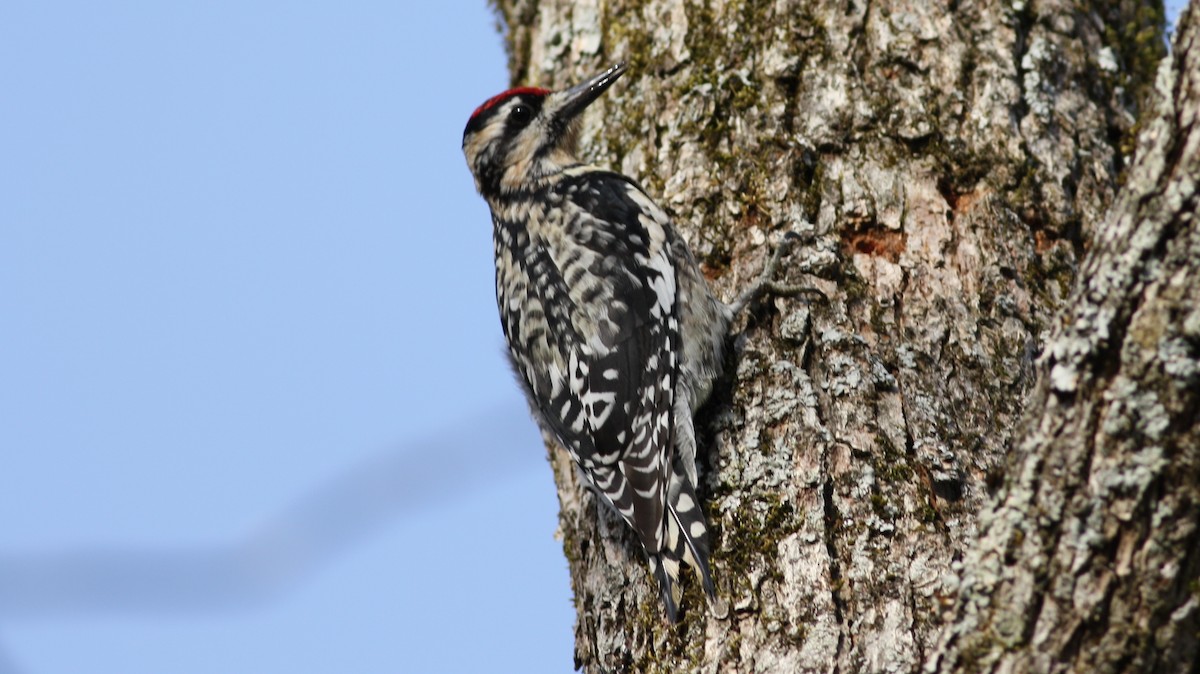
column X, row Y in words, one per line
column 686, row 542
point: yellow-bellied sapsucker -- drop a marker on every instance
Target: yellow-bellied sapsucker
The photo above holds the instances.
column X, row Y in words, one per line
column 612, row 330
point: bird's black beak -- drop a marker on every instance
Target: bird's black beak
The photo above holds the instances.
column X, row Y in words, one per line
column 581, row 95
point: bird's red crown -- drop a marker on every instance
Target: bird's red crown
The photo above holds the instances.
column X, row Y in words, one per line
column 500, row 98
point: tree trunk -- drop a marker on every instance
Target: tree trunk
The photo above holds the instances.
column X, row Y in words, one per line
column 1088, row 559
column 949, row 164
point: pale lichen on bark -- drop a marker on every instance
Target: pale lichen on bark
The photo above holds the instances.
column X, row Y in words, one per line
column 1089, row 557
column 948, row 163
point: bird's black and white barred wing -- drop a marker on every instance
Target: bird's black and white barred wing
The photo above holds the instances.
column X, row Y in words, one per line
column 623, row 375
column 612, row 385
column 588, row 295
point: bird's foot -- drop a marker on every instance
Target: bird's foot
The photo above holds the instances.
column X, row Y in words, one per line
column 766, row 284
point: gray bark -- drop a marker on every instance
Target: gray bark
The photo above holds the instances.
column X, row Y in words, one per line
column 950, row 163
column 1088, row 559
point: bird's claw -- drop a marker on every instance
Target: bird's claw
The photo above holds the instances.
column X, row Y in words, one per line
column 766, row 279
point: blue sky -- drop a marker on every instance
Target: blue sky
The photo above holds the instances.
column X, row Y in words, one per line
column 252, row 401
column 253, row 407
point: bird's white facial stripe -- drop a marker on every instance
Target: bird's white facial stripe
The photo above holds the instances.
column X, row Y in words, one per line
column 521, row 154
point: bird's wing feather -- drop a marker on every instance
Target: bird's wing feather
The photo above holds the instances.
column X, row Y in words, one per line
column 617, row 405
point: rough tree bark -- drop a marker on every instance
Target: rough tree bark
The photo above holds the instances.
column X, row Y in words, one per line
column 1088, row 559
column 950, row 162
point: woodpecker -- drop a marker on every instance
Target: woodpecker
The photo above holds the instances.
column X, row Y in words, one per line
column 612, row 331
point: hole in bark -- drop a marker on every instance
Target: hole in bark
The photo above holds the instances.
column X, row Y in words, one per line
column 882, row 242
column 946, row 188
column 949, row 489
column 994, row 479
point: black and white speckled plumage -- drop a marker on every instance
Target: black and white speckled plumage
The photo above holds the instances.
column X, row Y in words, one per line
column 611, row 328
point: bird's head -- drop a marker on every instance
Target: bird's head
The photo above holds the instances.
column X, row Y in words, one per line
column 519, row 137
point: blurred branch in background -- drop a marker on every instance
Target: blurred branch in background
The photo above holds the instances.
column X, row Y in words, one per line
column 283, row 552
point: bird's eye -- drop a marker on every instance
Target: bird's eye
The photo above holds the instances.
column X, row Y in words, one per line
column 521, row 114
